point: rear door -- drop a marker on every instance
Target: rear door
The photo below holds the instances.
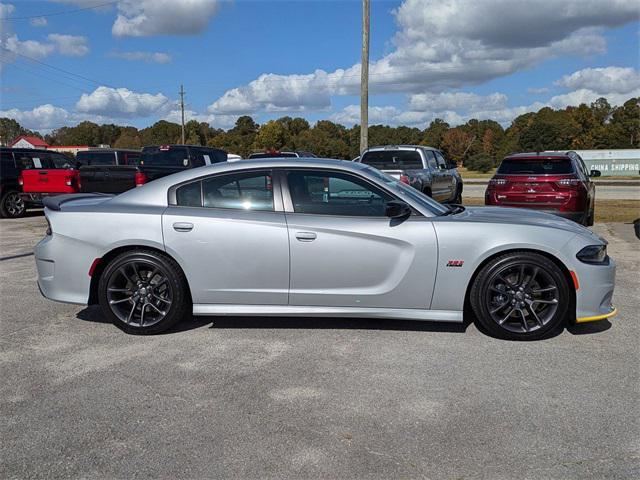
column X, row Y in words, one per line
column 445, row 178
column 346, row 253
column 47, row 172
column 229, row 234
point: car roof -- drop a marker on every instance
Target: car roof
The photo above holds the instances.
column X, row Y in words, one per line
column 398, row 147
column 541, row 155
column 154, row 192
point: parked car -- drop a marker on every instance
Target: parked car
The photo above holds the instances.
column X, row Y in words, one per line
column 319, row 238
column 423, row 168
column 154, row 162
column 14, row 164
column 557, row 183
column 99, row 170
column 279, row 154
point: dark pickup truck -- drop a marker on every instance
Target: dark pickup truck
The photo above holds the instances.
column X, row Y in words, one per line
column 153, row 162
column 424, row 168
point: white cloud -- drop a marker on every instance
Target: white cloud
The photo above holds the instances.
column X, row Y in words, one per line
column 218, row 121
column 38, row 22
column 6, row 9
column 587, row 96
column 69, row 45
column 605, row 80
column 122, row 103
column 147, row 57
column 43, row 117
column 141, row 18
column 443, row 45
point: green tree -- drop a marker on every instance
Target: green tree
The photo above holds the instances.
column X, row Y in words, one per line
column 10, row 129
column 271, row 136
column 161, row 133
column 434, row 134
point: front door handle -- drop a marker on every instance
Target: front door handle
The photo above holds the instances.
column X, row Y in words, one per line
column 183, row 226
column 306, row 236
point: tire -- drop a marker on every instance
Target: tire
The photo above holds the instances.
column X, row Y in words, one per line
column 589, row 222
column 144, row 292
column 12, row 205
column 458, row 199
column 507, row 311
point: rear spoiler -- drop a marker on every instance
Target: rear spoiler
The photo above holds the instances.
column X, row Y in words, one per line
column 55, row 202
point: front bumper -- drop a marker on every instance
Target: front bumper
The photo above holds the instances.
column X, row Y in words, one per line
column 594, row 296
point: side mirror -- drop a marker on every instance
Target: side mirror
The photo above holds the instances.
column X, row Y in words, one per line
column 595, row 173
column 452, row 165
column 397, row 209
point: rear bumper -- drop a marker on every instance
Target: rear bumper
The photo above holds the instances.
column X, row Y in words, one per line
column 562, row 210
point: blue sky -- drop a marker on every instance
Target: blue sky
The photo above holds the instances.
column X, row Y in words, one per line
column 456, row 59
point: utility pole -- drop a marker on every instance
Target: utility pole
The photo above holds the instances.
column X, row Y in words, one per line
column 182, row 109
column 364, row 79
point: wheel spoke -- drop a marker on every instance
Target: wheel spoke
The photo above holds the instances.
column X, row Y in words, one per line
column 545, row 289
column 168, row 302
column 144, row 307
column 497, row 309
column 535, row 315
column 120, row 290
column 124, row 273
column 524, row 321
column 133, row 309
column 533, row 275
column 505, row 281
column 520, row 279
column 157, row 309
column 114, row 302
column 135, row 271
column 507, row 316
column 550, row 302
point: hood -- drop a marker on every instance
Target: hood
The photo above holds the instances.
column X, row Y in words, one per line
column 520, row 216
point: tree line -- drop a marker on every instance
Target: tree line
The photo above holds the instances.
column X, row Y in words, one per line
column 477, row 144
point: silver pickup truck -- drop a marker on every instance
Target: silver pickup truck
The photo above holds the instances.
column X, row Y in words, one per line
column 424, row 168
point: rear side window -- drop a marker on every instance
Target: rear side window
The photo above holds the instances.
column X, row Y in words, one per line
column 517, row 166
column 393, row 159
column 7, row 166
column 243, row 191
column 165, row 156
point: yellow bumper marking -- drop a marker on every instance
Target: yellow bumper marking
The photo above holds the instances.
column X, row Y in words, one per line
column 597, row 317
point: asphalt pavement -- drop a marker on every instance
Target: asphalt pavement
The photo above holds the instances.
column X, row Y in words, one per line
column 311, row 398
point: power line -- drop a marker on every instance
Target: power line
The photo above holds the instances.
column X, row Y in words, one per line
column 64, row 12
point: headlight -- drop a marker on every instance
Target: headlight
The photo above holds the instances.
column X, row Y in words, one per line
column 596, row 254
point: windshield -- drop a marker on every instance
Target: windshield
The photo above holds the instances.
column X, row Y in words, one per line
column 406, row 191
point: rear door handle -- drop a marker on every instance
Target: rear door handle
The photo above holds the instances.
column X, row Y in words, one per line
column 306, row 236
column 183, row 226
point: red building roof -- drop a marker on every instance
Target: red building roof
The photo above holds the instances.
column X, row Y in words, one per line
column 35, row 141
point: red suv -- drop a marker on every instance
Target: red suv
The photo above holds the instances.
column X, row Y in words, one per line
column 554, row 182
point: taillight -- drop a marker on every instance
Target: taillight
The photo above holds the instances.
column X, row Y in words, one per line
column 20, row 180
column 404, row 179
column 68, row 180
column 497, row 182
column 571, row 183
column 140, row 179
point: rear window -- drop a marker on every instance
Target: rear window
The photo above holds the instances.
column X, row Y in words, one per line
column 393, row 159
column 273, row 155
column 173, row 156
column 517, row 166
column 96, row 158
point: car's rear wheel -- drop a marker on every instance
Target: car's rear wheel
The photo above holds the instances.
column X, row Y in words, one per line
column 458, row 199
column 520, row 296
column 12, row 205
column 144, row 292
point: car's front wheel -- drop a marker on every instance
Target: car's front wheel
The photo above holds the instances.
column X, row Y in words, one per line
column 520, row 296
column 144, row 292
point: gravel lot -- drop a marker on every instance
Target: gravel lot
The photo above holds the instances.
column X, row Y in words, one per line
column 278, row 398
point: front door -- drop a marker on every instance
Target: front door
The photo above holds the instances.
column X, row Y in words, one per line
column 346, row 252
column 229, row 239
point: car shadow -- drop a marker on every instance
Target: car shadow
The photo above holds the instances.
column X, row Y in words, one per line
column 589, row 328
column 94, row 314
column 334, row 323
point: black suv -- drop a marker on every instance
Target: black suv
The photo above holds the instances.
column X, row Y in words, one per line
column 12, row 162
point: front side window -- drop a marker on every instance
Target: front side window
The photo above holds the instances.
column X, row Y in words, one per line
column 335, row 193
column 441, row 161
column 431, row 160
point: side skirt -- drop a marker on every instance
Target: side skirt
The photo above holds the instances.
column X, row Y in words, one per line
column 318, row 311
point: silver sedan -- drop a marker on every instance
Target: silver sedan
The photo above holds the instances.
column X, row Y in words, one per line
column 315, row 237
